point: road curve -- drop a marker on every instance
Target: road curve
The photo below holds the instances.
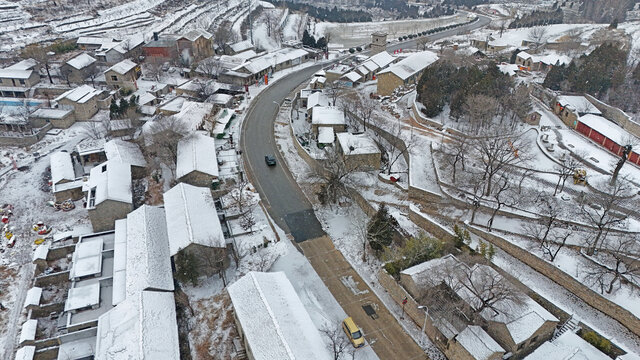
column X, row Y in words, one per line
column 286, row 203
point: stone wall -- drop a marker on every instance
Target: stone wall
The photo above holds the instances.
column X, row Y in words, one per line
column 104, row 215
column 431, row 227
column 589, row 296
column 26, row 140
column 60, row 252
column 51, row 279
column 46, row 309
column 423, row 119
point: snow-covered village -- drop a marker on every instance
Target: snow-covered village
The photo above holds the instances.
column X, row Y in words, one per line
column 294, row 179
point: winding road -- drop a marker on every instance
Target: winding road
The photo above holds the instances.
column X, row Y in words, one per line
column 286, row 203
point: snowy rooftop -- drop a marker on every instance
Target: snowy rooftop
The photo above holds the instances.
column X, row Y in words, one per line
column 478, row 343
column 81, row 94
column 173, row 105
column 33, row 296
column 9, row 73
column 509, row 69
column 607, row 128
column 371, row 66
column 193, row 35
column 46, row 113
column 148, row 260
column 192, row 218
column 192, row 114
column 26, row 64
column 124, row 152
column 567, row 346
column 578, row 103
column 87, row 258
column 382, row 59
column 61, row 167
column 41, row 252
column 90, row 146
column 196, row 152
column 549, row 59
column 317, row 99
column 274, row 320
column 325, row 115
column 119, row 262
column 25, row 353
column 353, row 76
column 83, row 297
column 326, row 135
column 28, row 331
column 357, row 144
column 123, row 67
column 241, row 46
column 81, row 61
column 112, row 181
column 412, row 64
column 142, row 327
column 93, row 40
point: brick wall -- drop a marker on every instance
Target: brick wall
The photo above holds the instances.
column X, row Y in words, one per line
column 617, row 115
column 56, row 278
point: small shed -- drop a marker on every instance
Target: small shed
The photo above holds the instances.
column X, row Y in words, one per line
column 109, row 195
column 196, row 163
column 127, row 152
column 327, row 116
column 359, row 151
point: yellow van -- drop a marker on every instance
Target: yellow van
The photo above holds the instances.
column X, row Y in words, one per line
column 353, row 332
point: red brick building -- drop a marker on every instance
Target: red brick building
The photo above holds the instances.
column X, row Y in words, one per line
column 607, row 134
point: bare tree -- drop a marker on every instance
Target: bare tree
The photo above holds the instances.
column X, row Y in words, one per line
column 550, row 238
column 338, row 343
column 204, row 88
column 564, row 171
column 421, row 43
column 333, row 91
column 167, row 131
column 215, row 260
column 96, row 129
column 484, row 286
column 224, row 34
column 335, row 176
column 480, row 110
column 538, row 36
column 626, row 150
column 618, row 262
column 455, row 151
column 65, row 74
column 271, row 19
column 210, row 67
column 502, row 196
column 360, row 230
column 40, row 54
column 403, row 141
column 93, row 73
column 601, row 211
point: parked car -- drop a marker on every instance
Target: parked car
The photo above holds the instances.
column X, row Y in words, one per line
column 353, row 332
column 270, row 160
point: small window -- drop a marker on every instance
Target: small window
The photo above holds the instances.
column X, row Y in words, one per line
column 520, row 346
column 104, row 167
column 21, row 81
column 114, row 78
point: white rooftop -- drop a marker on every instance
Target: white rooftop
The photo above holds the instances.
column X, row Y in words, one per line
column 41, row 252
column 578, row 103
column 607, row 128
column 81, row 61
column 274, row 320
column 123, row 67
column 61, row 167
column 412, row 64
column 357, row 144
column 241, row 46
column 28, row 331
column 317, row 99
column 382, row 59
column 112, row 181
column 148, row 258
column 326, row 135
column 119, row 291
column 192, row 218
column 143, row 327
column 82, row 297
column 124, row 152
column 325, row 115
column 567, row 346
column 196, row 152
column 478, row 343
column 87, row 258
column 33, row 296
column 25, row 353
column 81, row 94
column 353, row 76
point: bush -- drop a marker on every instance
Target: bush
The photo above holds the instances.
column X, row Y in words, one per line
column 352, row 50
column 598, row 341
column 358, row 49
column 400, row 38
column 186, row 268
column 380, row 229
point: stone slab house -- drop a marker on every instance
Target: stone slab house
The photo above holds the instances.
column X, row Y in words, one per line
column 197, row 44
column 109, row 195
column 196, row 163
column 404, row 72
column 271, row 320
column 517, row 323
column 58, row 118
column 85, row 101
column 570, row 107
column 193, row 227
column 359, row 151
column 123, row 75
column 327, row 116
column 17, row 79
column 79, row 68
column 64, row 182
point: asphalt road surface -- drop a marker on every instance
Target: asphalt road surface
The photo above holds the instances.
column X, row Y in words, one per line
column 289, row 208
column 286, row 204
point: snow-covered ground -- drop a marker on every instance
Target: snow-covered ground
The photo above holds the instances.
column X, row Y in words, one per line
column 353, row 34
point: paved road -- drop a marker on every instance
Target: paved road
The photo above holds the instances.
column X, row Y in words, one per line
column 287, row 205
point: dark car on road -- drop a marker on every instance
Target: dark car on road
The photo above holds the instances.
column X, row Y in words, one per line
column 270, row 160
